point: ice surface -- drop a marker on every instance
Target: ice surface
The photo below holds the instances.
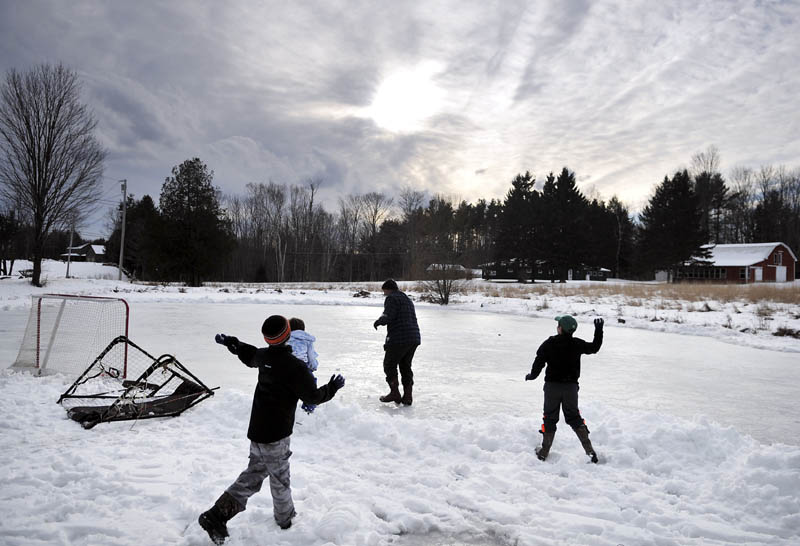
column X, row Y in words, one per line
column 474, row 363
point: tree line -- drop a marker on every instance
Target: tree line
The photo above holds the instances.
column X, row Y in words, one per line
column 282, row 233
column 51, row 165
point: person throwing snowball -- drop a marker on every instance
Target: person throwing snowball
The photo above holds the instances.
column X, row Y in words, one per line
column 562, row 356
column 282, row 380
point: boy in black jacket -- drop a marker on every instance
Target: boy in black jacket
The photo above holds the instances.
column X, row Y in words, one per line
column 562, row 355
column 282, row 380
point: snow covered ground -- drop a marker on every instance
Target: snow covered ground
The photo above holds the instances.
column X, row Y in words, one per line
column 698, row 434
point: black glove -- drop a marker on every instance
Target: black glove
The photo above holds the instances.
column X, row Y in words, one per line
column 598, row 324
column 336, row 382
column 530, row 377
column 230, row 342
column 376, row 324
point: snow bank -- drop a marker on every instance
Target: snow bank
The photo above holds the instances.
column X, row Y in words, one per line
column 386, row 476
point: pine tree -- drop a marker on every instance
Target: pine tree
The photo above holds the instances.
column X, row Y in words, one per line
column 565, row 222
column 624, row 231
column 143, row 235
column 671, row 224
column 197, row 235
column 517, row 234
column 712, row 198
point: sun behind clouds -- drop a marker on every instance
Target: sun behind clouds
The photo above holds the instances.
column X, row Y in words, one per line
column 406, row 98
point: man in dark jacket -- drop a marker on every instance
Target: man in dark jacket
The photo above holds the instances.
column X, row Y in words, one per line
column 282, row 380
column 562, row 355
column 402, row 340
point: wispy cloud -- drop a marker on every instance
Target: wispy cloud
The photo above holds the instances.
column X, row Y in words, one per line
column 621, row 92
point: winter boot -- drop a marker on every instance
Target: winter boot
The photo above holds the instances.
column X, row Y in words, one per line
column 407, row 390
column 583, row 435
column 394, row 393
column 544, row 450
column 214, row 520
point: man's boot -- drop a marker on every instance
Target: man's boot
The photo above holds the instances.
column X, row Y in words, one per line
column 394, row 393
column 407, row 390
column 544, row 450
column 583, row 435
column 215, row 519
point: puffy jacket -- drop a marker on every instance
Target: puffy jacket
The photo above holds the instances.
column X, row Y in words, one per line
column 282, row 380
column 400, row 320
column 302, row 344
column 562, row 355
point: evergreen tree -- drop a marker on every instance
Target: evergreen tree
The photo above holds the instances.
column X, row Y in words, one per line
column 565, row 222
column 196, row 235
column 770, row 218
column 516, row 235
column 600, row 242
column 671, row 225
column 712, row 199
column 624, row 233
column 143, row 234
column 9, row 229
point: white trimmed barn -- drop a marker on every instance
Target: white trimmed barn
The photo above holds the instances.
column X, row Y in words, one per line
column 743, row 263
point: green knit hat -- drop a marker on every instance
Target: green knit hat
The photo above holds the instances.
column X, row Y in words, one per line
column 568, row 323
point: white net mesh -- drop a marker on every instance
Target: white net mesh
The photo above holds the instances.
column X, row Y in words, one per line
column 65, row 333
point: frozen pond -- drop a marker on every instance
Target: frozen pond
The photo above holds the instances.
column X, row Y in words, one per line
column 474, row 363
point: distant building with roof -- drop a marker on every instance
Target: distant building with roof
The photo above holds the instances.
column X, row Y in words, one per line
column 741, row 263
column 85, row 253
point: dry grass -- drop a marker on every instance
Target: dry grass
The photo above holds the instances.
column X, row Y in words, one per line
column 634, row 294
column 667, row 294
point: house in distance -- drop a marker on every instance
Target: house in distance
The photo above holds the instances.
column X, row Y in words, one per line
column 741, row 263
column 85, row 253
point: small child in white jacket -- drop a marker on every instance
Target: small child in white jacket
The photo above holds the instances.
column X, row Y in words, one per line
column 302, row 344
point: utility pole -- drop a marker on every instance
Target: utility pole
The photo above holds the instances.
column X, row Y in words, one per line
column 69, row 250
column 124, row 183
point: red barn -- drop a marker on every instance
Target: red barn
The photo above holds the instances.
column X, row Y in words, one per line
column 743, row 263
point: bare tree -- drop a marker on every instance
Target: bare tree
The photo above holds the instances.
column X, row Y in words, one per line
column 443, row 280
column 706, row 162
column 766, row 179
column 410, row 201
column 302, row 220
column 740, row 207
column 50, row 162
column 410, row 204
column 351, row 212
column 376, row 207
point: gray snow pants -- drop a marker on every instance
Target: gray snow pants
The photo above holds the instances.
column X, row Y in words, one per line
column 267, row 460
column 560, row 396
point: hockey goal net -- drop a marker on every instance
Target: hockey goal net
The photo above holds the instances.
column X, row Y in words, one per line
column 65, row 333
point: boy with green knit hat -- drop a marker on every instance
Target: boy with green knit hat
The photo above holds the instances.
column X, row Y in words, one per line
column 562, row 356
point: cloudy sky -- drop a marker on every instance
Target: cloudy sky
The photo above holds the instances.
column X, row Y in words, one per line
column 445, row 97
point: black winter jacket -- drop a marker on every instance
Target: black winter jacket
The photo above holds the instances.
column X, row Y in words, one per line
column 400, row 320
column 562, row 354
column 282, row 380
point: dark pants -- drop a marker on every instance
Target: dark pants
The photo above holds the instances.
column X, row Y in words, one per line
column 560, row 396
column 399, row 355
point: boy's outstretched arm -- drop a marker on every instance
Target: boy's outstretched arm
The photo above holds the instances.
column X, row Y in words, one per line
column 244, row 351
column 597, row 342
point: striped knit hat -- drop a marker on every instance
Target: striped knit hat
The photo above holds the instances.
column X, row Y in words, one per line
column 276, row 330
